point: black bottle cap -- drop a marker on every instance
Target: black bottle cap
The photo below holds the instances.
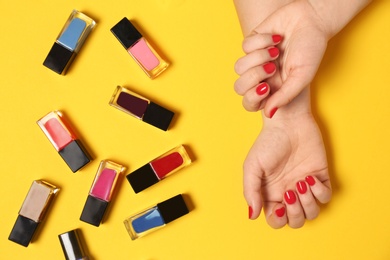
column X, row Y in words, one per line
column 93, row 211
column 173, row 208
column 158, row 116
column 59, row 58
column 126, row 33
column 75, row 155
column 142, row 178
column 23, row 231
column 71, row 245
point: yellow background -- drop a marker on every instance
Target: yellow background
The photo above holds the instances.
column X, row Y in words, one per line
column 202, row 39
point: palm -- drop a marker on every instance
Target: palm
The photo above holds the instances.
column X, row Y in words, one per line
column 285, row 153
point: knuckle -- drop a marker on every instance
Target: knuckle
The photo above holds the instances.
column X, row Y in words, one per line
column 275, row 225
column 252, row 102
column 312, row 210
column 248, row 107
column 250, row 42
column 254, row 75
column 238, row 67
column 261, row 104
column 245, row 45
column 323, row 194
column 295, row 215
column 326, row 198
column 251, row 99
column 248, row 165
column 312, row 215
column 297, row 224
column 238, row 88
column 260, row 56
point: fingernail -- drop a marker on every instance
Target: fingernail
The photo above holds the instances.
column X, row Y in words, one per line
column 269, row 68
column 273, row 52
column 276, row 38
column 310, row 180
column 262, row 89
column 290, row 197
column 250, row 212
column 272, row 113
column 301, row 187
column 280, row 212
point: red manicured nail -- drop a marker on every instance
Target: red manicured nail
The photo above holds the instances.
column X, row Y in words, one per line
column 276, row 38
column 250, row 212
column 301, row 187
column 273, row 52
column 262, row 88
column 269, row 68
column 280, row 212
column 272, row 113
column 290, row 197
column 310, row 180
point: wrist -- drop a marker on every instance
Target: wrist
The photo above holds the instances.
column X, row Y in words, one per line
column 336, row 14
column 300, row 107
column 250, row 17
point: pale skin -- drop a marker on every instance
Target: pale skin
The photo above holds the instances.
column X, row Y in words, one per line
column 286, row 170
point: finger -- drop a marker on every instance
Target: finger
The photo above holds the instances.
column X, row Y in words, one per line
column 308, row 202
column 295, row 214
column 252, row 100
column 252, row 186
column 322, row 191
column 253, row 76
column 257, row 41
column 255, row 58
column 290, row 89
column 275, row 214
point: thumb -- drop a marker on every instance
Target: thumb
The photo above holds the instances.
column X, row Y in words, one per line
column 290, row 89
column 271, row 24
column 252, row 187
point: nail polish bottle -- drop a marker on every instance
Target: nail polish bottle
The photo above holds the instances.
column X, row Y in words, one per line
column 156, row 217
column 159, row 168
column 139, row 48
column 72, row 246
column 101, row 192
column 141, row 108
column 64, row 140
column 69, row 42
column 33, row 211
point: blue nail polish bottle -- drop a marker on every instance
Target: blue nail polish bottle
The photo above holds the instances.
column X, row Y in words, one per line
column 69, row 41
column 155, row 217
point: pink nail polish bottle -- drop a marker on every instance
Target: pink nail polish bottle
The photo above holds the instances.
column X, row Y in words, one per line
column 101, row 192
column 139, row 48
